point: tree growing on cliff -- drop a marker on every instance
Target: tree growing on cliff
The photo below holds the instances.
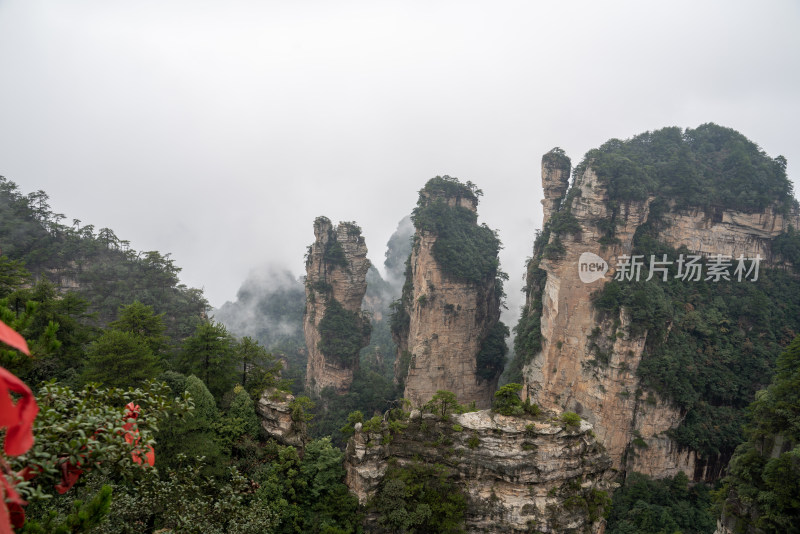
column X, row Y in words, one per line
column 763, row 485
column 443, row 403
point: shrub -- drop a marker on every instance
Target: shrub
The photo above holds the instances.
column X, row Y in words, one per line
column 571, row 419
column 507, row 401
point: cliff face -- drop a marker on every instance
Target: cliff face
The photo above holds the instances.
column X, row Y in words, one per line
column 334, row 327
column 629, row 420
column 518, row 475
column 448, row 317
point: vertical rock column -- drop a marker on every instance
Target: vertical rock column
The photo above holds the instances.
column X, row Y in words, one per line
column 556, row 167
column 448, row 314
column 334, row 327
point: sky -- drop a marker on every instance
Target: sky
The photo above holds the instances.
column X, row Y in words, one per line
column 218, row 131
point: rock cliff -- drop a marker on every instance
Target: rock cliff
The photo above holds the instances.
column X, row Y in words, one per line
column 334, row 327
column 568, row 335
column 517, row 474
column 556, row 168
column 448, row 332
column 275, row 411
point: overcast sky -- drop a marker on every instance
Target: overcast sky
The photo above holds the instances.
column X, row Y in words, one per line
column 218, row 131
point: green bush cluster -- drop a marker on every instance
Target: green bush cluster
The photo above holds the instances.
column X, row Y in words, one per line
column 507, row 402
column 762, row 489
column 492, row 356
column 571, row 419
column 420, row 498
column 646, row 506
column 707, row 167
column 710, row 345
column 108, row 272
column 463, row 249
column 342, row 333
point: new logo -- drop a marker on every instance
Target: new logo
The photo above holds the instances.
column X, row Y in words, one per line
column 591, row 267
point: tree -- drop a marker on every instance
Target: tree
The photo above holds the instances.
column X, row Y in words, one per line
column 243, row 409
column 763, row 483
column 141, row 320
column 195, row 435
column 507, row 401
column 210, row 354
column 12, row 275
column 443, row 404
column 120, row 359
column 260, row 370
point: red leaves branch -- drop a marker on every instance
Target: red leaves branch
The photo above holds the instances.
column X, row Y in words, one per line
column 17, row 418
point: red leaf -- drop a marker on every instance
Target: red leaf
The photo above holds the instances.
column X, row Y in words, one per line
column 11, row 338
column 69, row 476
column 5, row 519
column 17, row 514
column 11, row 513
column 18, row 418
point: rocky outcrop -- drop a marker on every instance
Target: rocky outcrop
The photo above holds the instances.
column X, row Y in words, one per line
column 334, row 327
column 630, row 421
column 556, row 168
column 447, row 317
column 518, row 474
column 275, row 411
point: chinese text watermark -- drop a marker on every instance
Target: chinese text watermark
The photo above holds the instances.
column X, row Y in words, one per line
column 690, row 268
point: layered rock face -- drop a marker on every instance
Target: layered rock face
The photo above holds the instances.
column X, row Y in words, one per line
column 518, row 475
column 275, row 411
column 333, row 325
column 630, row 421
column 448, row 318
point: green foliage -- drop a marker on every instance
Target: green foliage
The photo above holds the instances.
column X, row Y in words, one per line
column 492, row 356
column 269, row 310
column 83, row 517
column 710, row 345
column 195, row 435
column 300, row 407
column 57, row 328
column 334, row 254
column 260, row 370
column 557, row 159
column 369, row 393
column 142, row 321
column 450, row 187
column 85, row 427
column 507, row 401
column 463, row 249
column 645, row 506
column 307, row 494
column 420, row 498
column 373, row 425
column 211, row 355
column 243, row 409
column 186, row 499
column 786, row 247
column 443, row 403
column 119, row 359
column 108, row 273
column 571, row 419
column 342, row 333
column 710, row 166
column 13, row 275
column 763, row 483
